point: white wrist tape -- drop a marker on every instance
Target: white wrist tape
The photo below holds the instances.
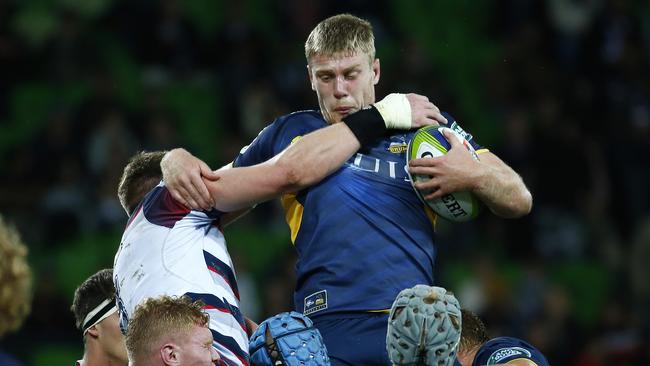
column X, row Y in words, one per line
column 395, row 109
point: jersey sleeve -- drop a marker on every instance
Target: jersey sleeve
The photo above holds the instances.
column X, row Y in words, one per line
column 269, row 142
column 453, row 124
column 277, row 136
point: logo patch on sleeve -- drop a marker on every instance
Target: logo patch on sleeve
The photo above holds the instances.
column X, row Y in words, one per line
column 499, row 355
column 397, row 147
column 315, row 302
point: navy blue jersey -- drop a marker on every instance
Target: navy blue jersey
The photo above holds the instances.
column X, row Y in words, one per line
column 362, row 235
column 504, row 349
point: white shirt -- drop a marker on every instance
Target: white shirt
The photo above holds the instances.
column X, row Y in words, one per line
column 167, row 249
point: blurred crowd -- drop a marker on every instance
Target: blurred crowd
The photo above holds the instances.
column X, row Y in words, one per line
column 559, row 89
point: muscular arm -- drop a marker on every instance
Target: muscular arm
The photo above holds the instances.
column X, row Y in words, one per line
column 302, row 164
column 499, row 187
column 305, row 163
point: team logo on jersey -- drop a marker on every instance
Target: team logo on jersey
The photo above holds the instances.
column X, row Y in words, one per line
column 397, row 147
column 315, row 302
column 499, row 355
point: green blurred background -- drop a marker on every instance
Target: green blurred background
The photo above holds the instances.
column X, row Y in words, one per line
column 559, row 89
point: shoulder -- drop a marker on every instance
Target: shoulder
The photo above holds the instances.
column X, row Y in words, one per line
column 503, row 349
column 301, row 119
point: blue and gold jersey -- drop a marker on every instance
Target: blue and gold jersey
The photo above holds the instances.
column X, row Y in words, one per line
column 362, row 235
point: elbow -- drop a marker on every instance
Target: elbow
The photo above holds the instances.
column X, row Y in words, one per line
column 519, row 207
column 524, row 205
column 290, row 177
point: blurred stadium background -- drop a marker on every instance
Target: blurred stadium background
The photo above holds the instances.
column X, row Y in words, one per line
column 560, row 89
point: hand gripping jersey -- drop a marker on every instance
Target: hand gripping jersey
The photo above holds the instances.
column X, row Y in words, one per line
column 362, row 235
column 167, row 249
column 504, row 349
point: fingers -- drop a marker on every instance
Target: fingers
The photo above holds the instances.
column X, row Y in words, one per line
column 200, row 194
column 435, row 195
column 424, row 112
column 205, row 197
column 184, row 190
column 430, row 189
column 423, row 162
column 192, row 196
column 179, row 195
column 451, row 137
column 208, row 173
column 438, row 117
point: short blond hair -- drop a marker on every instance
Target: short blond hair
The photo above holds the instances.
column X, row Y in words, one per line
column 342, row 34
column 158, row 320
column 15, row 279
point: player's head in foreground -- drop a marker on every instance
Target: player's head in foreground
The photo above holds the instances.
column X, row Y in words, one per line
column 15, row 280
column 424, row 327
column 170, row 330
column 288, row 339
column 96, row 317
column 140, row 175
column 343, row 70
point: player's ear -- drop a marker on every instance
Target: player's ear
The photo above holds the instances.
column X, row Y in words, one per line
column 311, row 80
column 376, row 71
column 170, row 354
column 93, row 331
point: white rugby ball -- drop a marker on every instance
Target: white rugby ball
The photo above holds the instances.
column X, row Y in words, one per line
column 429, row 142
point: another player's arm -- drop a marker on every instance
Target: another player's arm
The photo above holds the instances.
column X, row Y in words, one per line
column 497, row 185
column 298, row 166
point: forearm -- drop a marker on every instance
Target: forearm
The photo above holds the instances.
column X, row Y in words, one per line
column 304, row 163
column 316, row 155
column 501, row 189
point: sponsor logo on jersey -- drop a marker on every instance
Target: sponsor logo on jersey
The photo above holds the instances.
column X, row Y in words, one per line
column 397, row 148
column 456, row 128
column 501, row 354
column 315, row 302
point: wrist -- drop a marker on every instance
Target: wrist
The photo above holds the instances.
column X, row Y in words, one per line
column 480, row 178
column 367, row 125
column 395, row 109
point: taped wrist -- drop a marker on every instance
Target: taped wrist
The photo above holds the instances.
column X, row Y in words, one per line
column 367, row 125
column 395, row 109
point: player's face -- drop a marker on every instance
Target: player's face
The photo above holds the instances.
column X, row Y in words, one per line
column 197, row 348
column 344, row 84
column 111, row 338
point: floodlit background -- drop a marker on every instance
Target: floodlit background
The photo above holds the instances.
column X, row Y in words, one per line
column 559, row 89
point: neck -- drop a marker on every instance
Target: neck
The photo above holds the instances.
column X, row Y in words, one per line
column 94, row 356
column 466, row 357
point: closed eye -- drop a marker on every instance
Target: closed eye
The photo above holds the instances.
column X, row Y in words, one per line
column 352, row 75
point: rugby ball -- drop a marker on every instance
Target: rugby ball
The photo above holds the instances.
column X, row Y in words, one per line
column 429, row 142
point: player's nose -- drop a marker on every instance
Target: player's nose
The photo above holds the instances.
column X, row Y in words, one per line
column 340, row 87
column 215, row 356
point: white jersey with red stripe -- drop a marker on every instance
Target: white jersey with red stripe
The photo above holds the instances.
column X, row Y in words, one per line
column 167, row 249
